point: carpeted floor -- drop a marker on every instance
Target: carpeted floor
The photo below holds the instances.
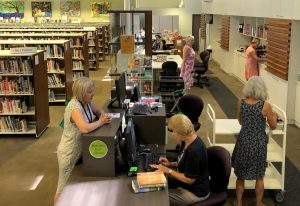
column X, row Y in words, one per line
column 226, row 99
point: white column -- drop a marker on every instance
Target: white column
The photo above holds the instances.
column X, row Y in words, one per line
column 128, row 18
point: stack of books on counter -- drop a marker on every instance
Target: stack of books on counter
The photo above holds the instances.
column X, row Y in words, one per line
column 149, row 181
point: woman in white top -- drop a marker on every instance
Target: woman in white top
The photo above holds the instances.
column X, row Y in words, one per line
column 78, row 119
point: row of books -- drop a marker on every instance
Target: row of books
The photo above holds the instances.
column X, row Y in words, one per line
column 55, row 80
column 77, row 75
column 78, row 65
column 77, row 53
column 54, row 50
column 51, row 95
column 15, row 85
column 91, row 42
column 139, row 61
column 55, row 66
column 149, row 181
column 76, row 42
column 13, row 105
column 15, row 66
column 13, row 124
column 92, row 50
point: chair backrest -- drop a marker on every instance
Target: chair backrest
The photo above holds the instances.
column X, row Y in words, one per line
column 164, row 44
column 204, row 56
column 192, row 106
column 219, row 168
column 170, row 68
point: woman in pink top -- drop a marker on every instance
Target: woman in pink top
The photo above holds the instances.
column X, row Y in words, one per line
column 188, row 62
column 251, row 68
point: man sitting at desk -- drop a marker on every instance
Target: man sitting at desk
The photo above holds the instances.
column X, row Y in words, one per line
column 158, row 43
column 189, row 182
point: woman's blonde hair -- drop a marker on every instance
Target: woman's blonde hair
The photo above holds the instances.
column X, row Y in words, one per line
column 81, row 86
column 181, row 124
column 255, row 41
column 189, row 38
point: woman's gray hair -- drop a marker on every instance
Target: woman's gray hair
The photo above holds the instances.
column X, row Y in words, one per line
column 81, row 86
column 181, row 124
column 256, row 88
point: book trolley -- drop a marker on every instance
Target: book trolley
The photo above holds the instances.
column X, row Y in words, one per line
column 274, row 178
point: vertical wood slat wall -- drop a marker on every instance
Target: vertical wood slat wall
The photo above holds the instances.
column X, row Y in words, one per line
column 225, row 28
column 278, row 50
column 202, row 27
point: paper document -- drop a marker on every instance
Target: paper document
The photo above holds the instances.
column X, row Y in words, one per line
column 114, row 115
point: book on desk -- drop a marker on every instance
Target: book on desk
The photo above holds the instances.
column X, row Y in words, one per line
column 149, row 181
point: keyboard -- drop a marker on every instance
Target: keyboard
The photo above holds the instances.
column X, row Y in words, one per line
column 144, row 160
column 140, row 108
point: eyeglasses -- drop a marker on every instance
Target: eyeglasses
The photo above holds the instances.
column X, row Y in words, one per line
column 170, row 130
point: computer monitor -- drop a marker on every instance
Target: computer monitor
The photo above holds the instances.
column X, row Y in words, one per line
column 136, row 94
column 130, row 141
column 120, row 91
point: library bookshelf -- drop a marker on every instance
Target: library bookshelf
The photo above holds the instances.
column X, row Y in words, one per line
column 59, row 65
column 24, row 105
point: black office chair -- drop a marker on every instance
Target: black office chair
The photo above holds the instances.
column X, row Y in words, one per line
column 192, row 106
column 200, row 68
column 169, row 84
column 219, row 168
column 169, row 68
column 164, row 44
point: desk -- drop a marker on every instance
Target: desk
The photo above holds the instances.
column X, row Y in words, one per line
column 151, row 128
column 157, row 65
column 162, row 51
column 99, row 191
column 104, row 162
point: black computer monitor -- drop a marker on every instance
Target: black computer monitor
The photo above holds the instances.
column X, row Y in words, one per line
column 120, row 91
column 136, row 94
column 130, row 141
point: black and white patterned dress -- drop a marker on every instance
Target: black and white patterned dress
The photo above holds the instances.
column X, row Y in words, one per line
column 250, row 152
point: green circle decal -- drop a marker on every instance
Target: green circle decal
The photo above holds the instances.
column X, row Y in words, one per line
column 98, row 149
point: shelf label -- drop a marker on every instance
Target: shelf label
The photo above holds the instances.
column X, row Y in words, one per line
column 98, row 149
column 36, row 59
column 22, row 50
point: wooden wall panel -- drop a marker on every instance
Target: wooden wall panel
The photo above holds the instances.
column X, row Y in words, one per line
column 278, row 50
column 225, row 28
column 202, row 27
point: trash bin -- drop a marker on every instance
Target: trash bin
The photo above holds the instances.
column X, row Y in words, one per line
column 209, row 49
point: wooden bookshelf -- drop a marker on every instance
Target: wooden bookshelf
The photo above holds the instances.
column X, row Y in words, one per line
column 92, row 35
column 59, row 64
column 24, row 102
column 80, row 64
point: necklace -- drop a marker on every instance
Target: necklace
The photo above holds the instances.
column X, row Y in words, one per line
column 88, row 113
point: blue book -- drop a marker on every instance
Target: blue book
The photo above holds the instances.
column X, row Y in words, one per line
column 137, row 189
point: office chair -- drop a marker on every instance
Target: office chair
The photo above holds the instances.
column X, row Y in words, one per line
column 219, row 168
column 169, row 68
column 200, row 68
column 164, row 44
column 192, row 106
column 169, row 83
